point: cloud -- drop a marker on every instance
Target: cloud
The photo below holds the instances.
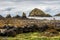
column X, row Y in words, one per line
column 29, row 0
column 53, row 11
column 8, row 9
column 14, row 7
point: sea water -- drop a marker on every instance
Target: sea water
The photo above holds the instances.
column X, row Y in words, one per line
column 49, row 18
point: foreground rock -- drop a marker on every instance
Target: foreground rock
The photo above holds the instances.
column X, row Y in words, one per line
column 13, row 31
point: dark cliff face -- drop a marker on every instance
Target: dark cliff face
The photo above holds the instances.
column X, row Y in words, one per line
column 57, row 14
column 38, row 13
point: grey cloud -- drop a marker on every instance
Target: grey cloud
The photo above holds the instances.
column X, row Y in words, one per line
column 28, row 0
column 39, row 2
column 52, row 11
column 35, row 1
column 47, row 2
column 8, row 9
column 47, row 10
column 21, row 5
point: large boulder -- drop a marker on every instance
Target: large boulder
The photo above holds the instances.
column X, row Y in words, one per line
column 38, row 13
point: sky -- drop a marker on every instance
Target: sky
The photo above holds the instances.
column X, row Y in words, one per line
column 17, row 7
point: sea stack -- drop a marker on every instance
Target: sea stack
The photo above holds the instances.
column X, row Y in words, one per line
column 38, row 13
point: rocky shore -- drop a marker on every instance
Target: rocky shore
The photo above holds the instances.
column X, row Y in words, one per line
column 11, row 26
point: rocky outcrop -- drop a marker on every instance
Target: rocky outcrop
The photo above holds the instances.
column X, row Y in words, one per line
column 1, row 17
column 23, row 15
column 38, row 13
column 17, row 16
column 8, row 16
column 48, row 15
column 57, row 14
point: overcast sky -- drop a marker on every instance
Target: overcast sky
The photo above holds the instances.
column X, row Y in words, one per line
column 14, row 7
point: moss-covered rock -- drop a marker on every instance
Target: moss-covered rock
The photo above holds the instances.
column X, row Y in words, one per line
column 38, row 13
